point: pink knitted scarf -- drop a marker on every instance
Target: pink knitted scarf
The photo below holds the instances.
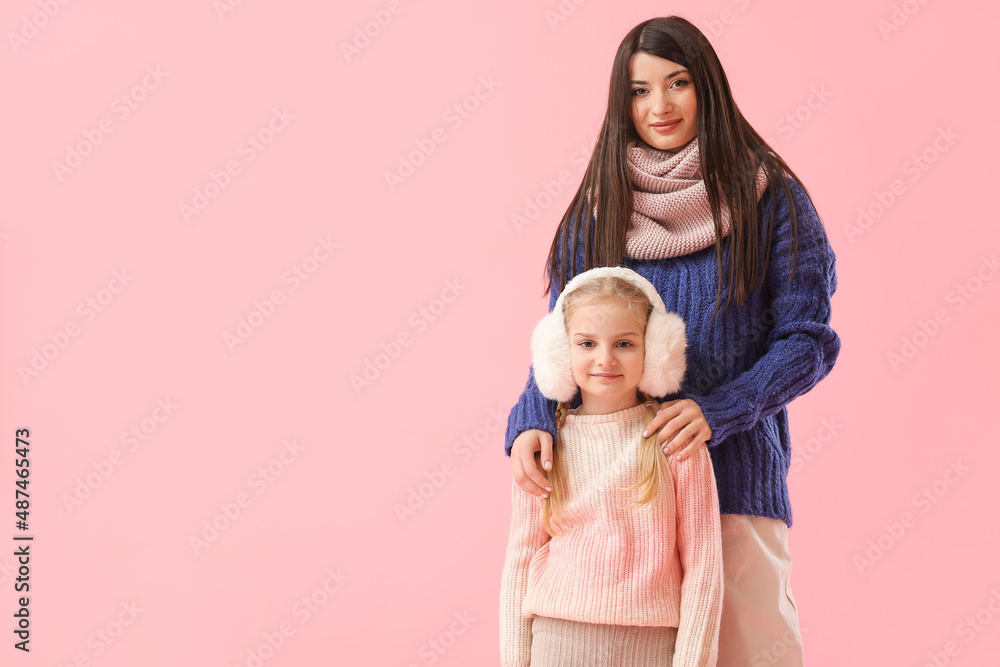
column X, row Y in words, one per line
column 671, row 215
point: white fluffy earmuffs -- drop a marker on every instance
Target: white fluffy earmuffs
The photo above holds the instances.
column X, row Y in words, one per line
column 664, row 362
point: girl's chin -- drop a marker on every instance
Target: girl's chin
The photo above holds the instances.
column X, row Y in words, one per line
column 609, row 397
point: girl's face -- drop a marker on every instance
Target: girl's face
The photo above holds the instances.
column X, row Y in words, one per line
column 607, row 346
column 664, row 105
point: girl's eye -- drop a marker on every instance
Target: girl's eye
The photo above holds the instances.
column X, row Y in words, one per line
column 636, row 90
column 683, row 82
column 586, row 343
column 625, row 343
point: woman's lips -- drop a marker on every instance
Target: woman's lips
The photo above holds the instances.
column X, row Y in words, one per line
column 668, row 127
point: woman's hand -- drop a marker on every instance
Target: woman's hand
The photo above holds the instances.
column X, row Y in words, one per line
column 684, row 420
column 525, row 461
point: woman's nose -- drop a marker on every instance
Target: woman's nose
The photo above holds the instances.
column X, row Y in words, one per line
column 661, row 104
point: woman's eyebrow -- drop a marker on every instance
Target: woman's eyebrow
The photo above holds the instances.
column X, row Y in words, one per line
column 672, row 74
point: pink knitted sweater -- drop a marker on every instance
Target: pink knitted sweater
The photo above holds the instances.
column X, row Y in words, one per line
column 659, row 564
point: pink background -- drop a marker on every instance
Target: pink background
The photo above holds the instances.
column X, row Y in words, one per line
column 848, row 104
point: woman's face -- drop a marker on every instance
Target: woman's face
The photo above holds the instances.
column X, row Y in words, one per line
column 607, row 345
column 664, row 105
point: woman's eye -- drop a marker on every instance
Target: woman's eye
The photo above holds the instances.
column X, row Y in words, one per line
column 636, row 90
column 683, row 82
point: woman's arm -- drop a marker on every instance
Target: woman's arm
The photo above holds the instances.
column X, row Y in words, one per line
column 802, row 347
column 527, row 535
column 699, row 542
column 532, row 411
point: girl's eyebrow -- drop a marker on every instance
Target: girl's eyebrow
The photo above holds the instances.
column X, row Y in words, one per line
column 590, row 335
column 669, row 76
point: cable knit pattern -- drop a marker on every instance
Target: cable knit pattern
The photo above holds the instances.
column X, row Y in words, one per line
column 747, row 366
column 671, row 215
column 658, row 564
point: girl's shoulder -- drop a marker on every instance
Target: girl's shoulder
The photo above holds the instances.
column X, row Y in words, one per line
column 656, row 405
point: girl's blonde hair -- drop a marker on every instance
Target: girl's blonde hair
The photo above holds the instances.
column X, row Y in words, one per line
column 651, row 460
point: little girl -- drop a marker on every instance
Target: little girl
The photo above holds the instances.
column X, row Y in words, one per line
column 622, row 563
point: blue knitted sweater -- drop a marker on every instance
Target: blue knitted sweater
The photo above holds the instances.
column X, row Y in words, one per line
column 743, row 370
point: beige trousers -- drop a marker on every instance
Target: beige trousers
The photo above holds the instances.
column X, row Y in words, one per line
column 557, row 642
column 760, row 624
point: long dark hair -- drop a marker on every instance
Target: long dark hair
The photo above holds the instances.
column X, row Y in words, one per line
column 730, row 152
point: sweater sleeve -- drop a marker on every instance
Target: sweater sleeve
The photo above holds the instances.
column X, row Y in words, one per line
column 532, row 409
column 699, row 542
column 527, row 535
column 801, row 346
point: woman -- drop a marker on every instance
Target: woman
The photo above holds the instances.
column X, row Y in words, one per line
column 683, row 191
